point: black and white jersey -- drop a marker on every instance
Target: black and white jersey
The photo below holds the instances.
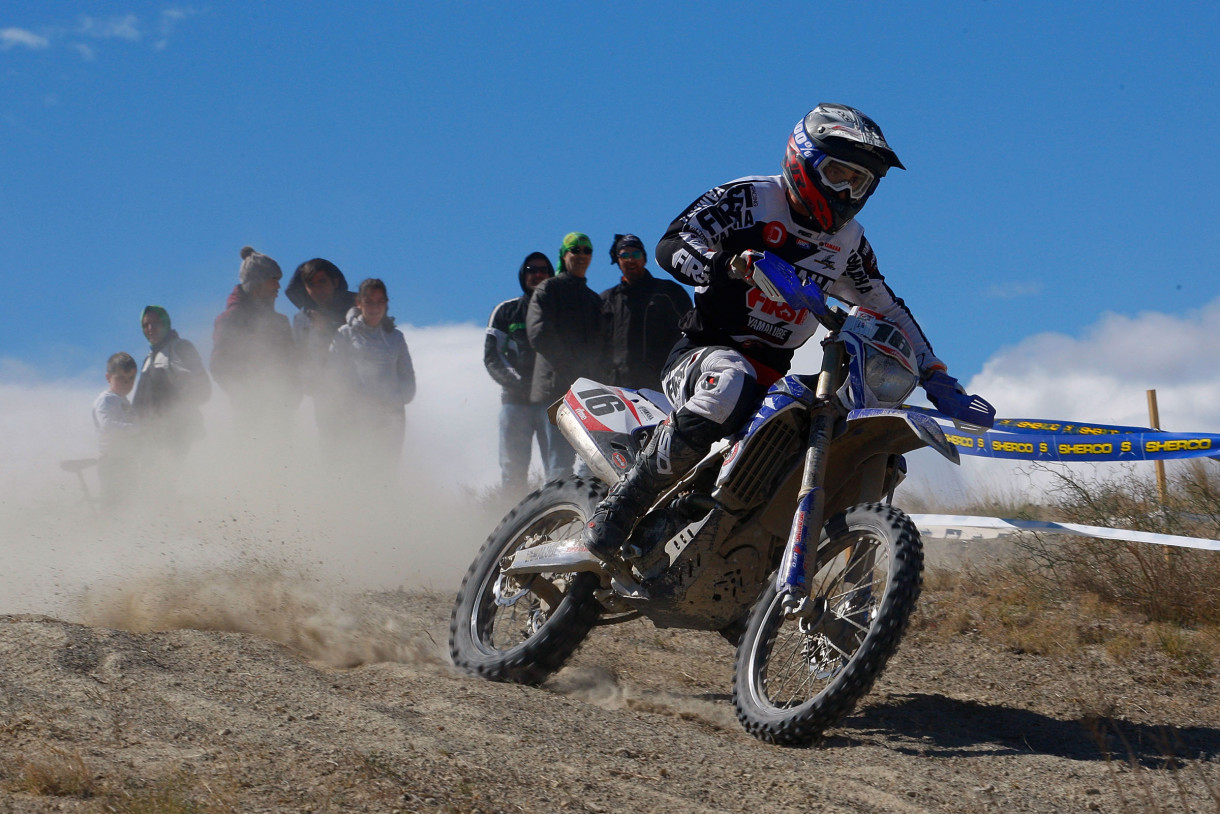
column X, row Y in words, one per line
column 753, row 214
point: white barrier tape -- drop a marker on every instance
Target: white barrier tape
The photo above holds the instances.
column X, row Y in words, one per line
column 965, row 527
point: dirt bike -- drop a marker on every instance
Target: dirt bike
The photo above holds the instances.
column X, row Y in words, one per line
column 783, row 538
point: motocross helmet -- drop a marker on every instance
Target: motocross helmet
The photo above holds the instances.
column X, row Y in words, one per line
column 836, row 156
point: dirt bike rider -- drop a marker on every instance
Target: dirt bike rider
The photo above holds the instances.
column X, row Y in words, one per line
column 736, row 342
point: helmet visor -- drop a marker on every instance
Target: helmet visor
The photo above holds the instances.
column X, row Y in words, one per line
column 840, row 176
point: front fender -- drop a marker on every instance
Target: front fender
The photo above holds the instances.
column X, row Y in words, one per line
column 886, row 425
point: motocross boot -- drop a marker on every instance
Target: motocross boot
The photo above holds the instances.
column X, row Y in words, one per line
column 667, row 457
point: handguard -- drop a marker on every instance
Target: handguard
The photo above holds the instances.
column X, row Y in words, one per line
column 778, row 279
column 947, row 396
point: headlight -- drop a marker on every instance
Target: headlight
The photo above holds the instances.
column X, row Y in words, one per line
column 887, row 378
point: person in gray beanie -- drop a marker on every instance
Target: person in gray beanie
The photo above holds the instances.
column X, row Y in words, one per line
column 256, row 270
column 253, row 357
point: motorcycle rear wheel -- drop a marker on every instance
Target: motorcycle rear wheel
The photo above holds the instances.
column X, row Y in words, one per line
column 523, row 631
column 795, row 678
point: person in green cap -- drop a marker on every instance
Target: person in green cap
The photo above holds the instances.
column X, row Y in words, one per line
column 173, row 385
column 564, row 328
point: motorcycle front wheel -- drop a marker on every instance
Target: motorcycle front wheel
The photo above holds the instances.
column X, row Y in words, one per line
column 523, row 629
column 794, row 678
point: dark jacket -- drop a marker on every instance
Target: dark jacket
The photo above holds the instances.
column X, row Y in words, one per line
column 641, row 326
column 253, row 357
column 507, row 354
column 564, row 327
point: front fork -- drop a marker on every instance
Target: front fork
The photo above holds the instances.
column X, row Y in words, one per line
column 800, row 554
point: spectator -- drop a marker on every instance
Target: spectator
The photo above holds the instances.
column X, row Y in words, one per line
column 372, row 369
column 564, row 328
column 509, row 359
column 173, row 385
column 253, row 358
column 319, row 289
column 641, row 317
column 115, row 422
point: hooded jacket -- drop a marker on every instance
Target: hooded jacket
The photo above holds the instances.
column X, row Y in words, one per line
column 507, row 354
column 314, row 326
column 373, row 365
column 335, row 311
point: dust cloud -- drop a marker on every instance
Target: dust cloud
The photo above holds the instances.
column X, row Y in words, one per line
column 268, row 538
column 260, row 537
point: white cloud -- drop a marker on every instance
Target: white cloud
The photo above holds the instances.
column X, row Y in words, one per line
column 125, row 27
column 1015, row 290
column 171, row 17
column 1102, row 374
column 12, row 37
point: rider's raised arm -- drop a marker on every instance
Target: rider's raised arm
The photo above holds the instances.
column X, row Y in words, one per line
column 697, row 247
column 863, row 285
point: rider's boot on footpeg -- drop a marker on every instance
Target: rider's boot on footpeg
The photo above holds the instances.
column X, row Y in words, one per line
column 666, row 458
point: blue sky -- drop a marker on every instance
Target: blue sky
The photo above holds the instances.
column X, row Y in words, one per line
column 1061, row 157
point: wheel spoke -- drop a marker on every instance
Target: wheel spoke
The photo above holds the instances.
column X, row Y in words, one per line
column 801, row 663
column 506, row 624
column 797, row 677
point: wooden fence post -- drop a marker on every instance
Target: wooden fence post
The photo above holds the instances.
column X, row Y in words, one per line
column 1154, row 418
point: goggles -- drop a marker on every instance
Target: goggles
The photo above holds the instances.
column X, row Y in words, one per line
column 843, row 176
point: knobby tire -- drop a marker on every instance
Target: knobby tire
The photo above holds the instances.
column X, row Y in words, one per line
column 761, row 664
column 544, row 648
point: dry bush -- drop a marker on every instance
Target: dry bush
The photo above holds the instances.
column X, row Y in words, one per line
column 181, row 793
column 1058, row 594
column 997, row 601
column 53, row 773
column 1167, row 585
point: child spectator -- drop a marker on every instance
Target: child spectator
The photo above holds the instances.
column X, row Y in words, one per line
column 114, row 420
column 372, row 370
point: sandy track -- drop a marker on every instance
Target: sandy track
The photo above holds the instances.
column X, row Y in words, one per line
column 641, row 720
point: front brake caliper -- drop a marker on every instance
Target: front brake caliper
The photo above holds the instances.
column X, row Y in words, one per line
column 510, row 588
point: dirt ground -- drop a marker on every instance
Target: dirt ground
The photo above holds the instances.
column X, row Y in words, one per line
column 274, row 645
column 641, row 720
